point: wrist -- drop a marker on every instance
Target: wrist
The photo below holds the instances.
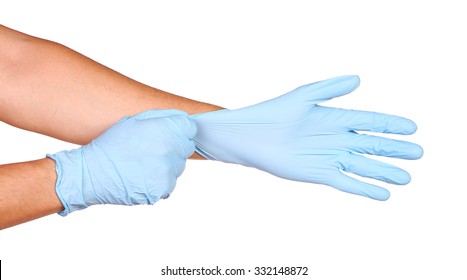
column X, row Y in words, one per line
column 69, row 184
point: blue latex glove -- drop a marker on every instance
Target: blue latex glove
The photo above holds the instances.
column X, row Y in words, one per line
column 294, row 138
column 136, row 161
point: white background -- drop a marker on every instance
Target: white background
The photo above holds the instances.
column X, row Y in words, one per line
column 411, row 57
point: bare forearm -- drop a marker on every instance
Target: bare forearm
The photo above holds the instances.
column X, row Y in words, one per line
column 27, row 192
column 53, row 90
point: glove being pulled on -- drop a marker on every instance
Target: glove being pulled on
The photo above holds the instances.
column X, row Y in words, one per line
column 294, row 138
column 136, row 161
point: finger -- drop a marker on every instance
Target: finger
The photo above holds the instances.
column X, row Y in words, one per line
column 187, row 126
column 348, row 184
column 178, row 122
column 189, row 149
column 184, row 129
column 180, row 165
column 374, row 169
column 185, row 148
column 325, row 90
column 165, row 186
column 375, row 145
column 376, row 122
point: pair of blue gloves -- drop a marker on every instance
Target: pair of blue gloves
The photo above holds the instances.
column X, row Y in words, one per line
column 138, row 160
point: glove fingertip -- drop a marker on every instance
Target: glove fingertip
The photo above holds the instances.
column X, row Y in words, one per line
column 418, row 152
column 356, row 80
column 335, row 87
column 409, row 126
column 382, row 195
column 347, row 83
column 375, row 192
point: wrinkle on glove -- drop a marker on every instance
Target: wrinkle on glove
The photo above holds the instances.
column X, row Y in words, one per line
column 136, row 161
column 293, row 137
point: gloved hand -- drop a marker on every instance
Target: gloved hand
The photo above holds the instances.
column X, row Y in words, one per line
column 136, row 161
column 294, row 138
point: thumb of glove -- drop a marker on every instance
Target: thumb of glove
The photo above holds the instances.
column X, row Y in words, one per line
column 321, row 91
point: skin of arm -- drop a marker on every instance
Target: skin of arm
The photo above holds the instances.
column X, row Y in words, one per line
column 50, row 89
column 27, row 192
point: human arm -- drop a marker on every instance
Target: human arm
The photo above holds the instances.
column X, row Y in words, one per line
column 27, row 192
column 136, row 161
column 70, row 80
column 48, row 88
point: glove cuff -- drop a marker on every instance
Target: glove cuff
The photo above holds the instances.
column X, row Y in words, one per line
column 207, row 114
column 69, row 185
column 201, row 118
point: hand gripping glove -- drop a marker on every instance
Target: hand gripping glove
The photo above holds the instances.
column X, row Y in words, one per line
column 136, row 161
column 293, row 137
